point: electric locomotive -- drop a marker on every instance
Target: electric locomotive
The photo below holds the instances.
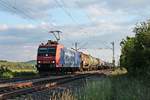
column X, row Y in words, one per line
column 54, row 57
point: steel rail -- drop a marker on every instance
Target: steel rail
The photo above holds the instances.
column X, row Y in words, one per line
column 38, row 85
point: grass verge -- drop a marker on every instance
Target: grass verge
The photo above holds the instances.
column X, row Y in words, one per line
column 115, row 88
column 111, row 88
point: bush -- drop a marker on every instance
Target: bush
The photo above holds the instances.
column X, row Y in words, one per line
column 5, row 73
column 135, row 53
column 8, row 74
column 14, row 69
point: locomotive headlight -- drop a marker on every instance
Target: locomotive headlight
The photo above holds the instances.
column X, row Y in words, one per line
column 53, row 61
column 46, row 55
column 39, row 61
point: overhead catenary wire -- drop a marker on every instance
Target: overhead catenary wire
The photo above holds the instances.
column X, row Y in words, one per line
column 23, row 12
column 64, row 7
column 87, row 15
column 15, row 9
column 92, row 22
column 28, row 16
column 65, row 10
column 89, row 18
column 11, row 7
column 5, row 6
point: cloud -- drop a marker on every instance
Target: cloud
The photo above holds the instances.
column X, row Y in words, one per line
column 128, row 4
column 17, row 53
column 26, row 38
column 21, row 27
column 3, row 27
column 108, row 21
column 40, row 8
column 28, row 8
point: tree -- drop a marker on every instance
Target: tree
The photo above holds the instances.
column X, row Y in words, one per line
column 135, row 51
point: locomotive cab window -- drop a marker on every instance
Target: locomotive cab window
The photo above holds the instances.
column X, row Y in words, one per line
column 47, row 51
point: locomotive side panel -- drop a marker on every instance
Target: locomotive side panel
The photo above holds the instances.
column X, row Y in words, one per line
column 58, row 55
column 70, row 58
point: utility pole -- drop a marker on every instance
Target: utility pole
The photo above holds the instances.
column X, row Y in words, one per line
column 76, row 47
column 113, row 50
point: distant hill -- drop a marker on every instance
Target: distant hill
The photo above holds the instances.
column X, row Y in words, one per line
column 9, row 69
column 32, row 62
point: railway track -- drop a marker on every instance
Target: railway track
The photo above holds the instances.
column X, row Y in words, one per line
column 18, row 79
column 20, row 88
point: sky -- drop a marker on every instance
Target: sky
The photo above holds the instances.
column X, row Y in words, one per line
column 93, row 24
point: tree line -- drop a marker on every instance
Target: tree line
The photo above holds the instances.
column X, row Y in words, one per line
column 135, row 51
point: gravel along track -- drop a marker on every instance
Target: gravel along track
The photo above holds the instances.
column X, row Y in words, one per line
column 37, row 85
column 19, row 79
column 74, row 88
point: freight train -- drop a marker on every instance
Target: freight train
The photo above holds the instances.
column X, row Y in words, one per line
column 53, row 56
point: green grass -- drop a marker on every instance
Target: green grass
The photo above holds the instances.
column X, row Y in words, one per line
column 119, row 71
column 32, row 62
column 112, row 88
column 16, row 69
column 115, row 88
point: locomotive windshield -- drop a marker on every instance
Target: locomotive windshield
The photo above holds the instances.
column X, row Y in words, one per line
column 51, row 51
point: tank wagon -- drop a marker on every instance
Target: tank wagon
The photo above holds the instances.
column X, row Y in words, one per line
column 88, row 62
column 53, row 56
